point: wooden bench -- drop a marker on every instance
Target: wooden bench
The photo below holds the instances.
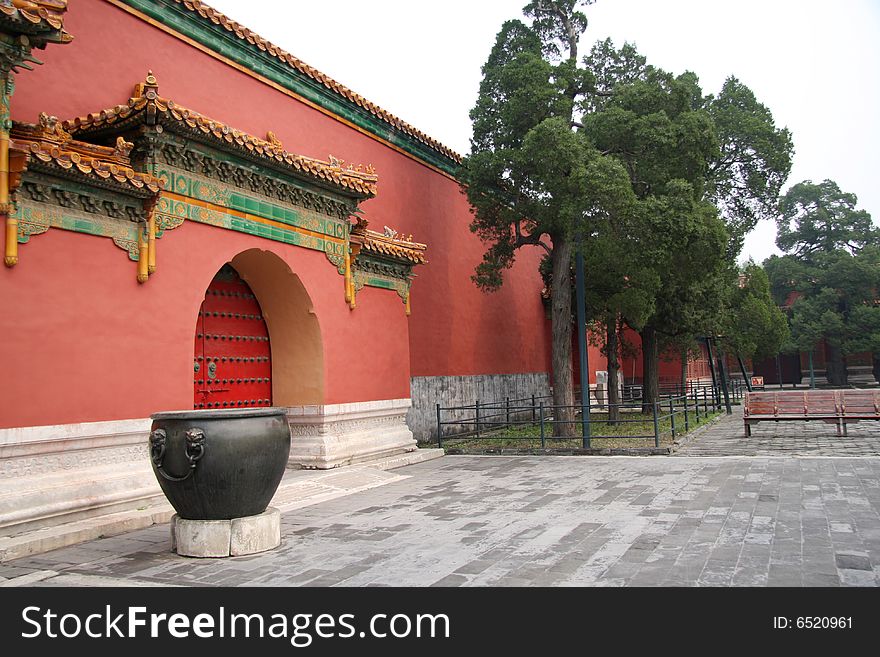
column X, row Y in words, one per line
column 784, row 405
column 858, row 405
column 838, row 407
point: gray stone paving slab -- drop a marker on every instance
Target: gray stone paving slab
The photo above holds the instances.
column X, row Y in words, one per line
column 533, row 521
column 727, row 438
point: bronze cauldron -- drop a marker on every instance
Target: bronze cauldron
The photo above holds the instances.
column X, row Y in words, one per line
column 219, row 464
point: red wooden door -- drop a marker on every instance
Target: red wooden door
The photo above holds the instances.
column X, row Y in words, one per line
column 233, row 365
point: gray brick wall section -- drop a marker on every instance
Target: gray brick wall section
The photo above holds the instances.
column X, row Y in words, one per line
column 428, row 391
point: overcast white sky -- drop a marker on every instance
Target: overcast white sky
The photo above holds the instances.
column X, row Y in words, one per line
column 816, row 65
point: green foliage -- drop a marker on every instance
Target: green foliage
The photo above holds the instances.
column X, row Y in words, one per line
column 610, row 68
column 558, row 24
column 831, row 275
column 656, row 128
column 819, row 218
column 838, row 300
column 755, row 327
column 754, row 160
column 864, row 335
column 623, row 161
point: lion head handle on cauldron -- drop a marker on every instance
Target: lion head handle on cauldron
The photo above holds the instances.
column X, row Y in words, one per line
column 157, row 446
column 195, row 446
column 194, row 449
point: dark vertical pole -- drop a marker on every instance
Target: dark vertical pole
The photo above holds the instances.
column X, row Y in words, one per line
column 478, row 418
column 812, row 372
column 541, row 410
column 533, row 408
column 722, row 373
column 697, row 404
column 715, row 393
column 672, row 415
column 582, row 348
column 507, row 407
column 779, row 371
column 742, row 368
column 656, row 426
column 686, row 421
column 439, row 428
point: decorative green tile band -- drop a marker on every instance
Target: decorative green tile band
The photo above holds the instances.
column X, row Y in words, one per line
column 37, row 218
column 203, row 189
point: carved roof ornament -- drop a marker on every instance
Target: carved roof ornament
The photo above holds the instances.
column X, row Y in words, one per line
column 389, row 244
column 148, row 106
column 49, row 144
column 49, row 129
column 149, row 88
column 359, row 224
column 272, row 139
column 123, row 148
column 243, row 33
column 41, row 20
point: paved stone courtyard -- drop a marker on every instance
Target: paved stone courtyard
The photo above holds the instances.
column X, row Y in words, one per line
column 785, row 517
column 727, row 438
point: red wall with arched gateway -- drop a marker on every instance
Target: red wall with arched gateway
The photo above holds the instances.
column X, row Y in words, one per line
column 82, row 341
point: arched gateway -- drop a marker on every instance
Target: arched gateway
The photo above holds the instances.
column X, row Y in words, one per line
column 232, row 364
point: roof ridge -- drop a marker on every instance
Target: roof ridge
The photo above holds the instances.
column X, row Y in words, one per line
column 209, row 13
column 40, row 14
column 49, row 143
column 389, row 243
column 146, row 95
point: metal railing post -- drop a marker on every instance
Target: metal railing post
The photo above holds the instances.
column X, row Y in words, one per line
column 477, row 422
column 533, row 408
column 656, row 425
column 687, row 426
column 672, row 416
column 541, row 408
column 507, row 408
column 697, row 405
column 439, row 428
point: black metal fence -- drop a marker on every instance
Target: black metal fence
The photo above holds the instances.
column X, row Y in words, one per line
column 536, row 417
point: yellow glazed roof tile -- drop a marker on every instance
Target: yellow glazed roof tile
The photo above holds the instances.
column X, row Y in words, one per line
column 147, row 99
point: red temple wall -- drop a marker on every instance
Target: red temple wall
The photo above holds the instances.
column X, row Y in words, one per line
column 90, row 342
column 87, row 342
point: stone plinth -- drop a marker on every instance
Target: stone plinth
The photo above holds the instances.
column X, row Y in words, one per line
column 334, row 435
column 226, row 538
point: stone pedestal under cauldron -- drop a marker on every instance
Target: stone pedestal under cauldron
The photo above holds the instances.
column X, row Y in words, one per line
column 219, row 469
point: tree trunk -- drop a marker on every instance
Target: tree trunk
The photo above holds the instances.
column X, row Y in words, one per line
column 560, row 321
column 612, row 347
column 650, row 369
column 876, row 368
column 836, row 367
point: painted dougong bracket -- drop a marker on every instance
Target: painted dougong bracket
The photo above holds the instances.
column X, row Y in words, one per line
column 384, row 260
column 24, row 26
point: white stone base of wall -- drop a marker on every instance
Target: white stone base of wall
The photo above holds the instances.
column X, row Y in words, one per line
column 63, row 473
column 330, row 436
column 51, row 475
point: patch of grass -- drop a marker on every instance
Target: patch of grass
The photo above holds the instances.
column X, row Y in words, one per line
column 634, row 430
